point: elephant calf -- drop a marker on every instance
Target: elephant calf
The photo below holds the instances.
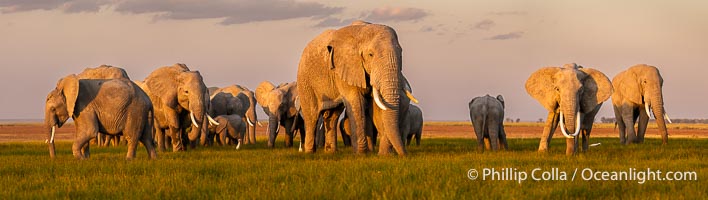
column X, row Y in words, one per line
column 231, row 127
column 487, row 116
column 412, row 125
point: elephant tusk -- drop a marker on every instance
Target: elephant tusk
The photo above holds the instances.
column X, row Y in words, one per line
column 410, row 96
column 594, row 145
column 191, row 116
column 51, row 139
column 377, row 99
column 300, row 150
column 259, row 123
column 321, row 126
column 249, row 121
column 577, row 126
column 649, row 113
column 239, row 144
column 212, row 121
column 667, row 118
column 277, row 127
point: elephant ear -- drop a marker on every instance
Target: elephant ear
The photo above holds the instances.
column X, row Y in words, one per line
column 501, row 100
column 344, row 58
column 262, row 91
column 292, row 99
column 69, row 86
column 541, row 86
column 223, row 124
column 627, row 85
column 597, row 88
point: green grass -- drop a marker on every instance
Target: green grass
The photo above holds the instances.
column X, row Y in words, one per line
column 651, row 125
column 435, row 170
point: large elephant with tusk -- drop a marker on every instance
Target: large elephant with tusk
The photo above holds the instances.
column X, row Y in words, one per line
column 110, row 106
column 572, row 95
column 180, row 101
column 346, row 68
column 639, row 94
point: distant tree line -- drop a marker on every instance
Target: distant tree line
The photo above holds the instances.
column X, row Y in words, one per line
column 684, row 121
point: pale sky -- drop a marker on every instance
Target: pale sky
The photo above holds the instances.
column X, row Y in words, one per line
column 452, row 50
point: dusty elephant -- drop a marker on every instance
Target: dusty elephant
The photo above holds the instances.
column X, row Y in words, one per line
column 346, row 68
column 638, row 94
column 180, row 100
column 249, row 103
column 231, row 127
column 487, row 117
column 572, row 95
column 105, row 72
column 111, row 106
column 279, row 104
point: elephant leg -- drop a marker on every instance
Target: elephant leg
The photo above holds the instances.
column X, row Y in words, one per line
column 642, row 123
column 344, row 133
column 385, row 146
column 571, row 145
column 620, row 125
column 502, row 138
column 409, row 137
column 84, row 133
column 548, row 129
column 479, row 131
column 493, row 131
column 628, row 118
column 147, row 140
column 160, row 134
column 357, row 118
column 330, row 133
column 309, row 118
column 176, row 137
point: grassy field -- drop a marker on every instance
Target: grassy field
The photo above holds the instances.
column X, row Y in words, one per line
column 651, row 125
column 435, row 170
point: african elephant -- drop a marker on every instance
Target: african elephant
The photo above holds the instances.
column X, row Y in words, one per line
column 178, row 96
column 104, row 72
column 250, row 113
column 413, row 125
column 571, row 94
column 487, row 117
column 111, row 106
column 638, row 93
column 346, row 68
column 279, row 104
column 231, row 127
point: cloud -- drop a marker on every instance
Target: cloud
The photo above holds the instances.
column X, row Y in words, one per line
column 427, row 29
column 508, row 36
column 334, row 22
column 67, row 6
column 484, row 24
column 509, row 13
column 233, row 12
column 395, row 14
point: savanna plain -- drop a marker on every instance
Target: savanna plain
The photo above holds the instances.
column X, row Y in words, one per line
column 437, row 169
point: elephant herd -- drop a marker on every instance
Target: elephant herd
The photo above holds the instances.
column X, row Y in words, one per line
column 573, row 95
column 349, row 81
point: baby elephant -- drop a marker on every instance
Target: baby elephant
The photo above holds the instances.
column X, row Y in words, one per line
column 230, row 128
column 487, row 116
column 412, row 125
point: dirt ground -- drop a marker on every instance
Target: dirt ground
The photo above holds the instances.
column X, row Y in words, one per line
column 36, row 132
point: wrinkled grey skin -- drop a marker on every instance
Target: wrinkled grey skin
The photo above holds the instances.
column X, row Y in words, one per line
column 637, row 90
column 231, row 129
column 279, row 103
column 105, row 72
column 176, row 92
column 487, row 117
column 572, row 90
column 340, row 68
column 110, row 106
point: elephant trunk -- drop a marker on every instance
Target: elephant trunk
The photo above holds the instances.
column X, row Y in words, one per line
column 251, row 115
column 570, row 118
column 390, row 89
column 656, row 104
column 273, row 127
column 50, row 140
